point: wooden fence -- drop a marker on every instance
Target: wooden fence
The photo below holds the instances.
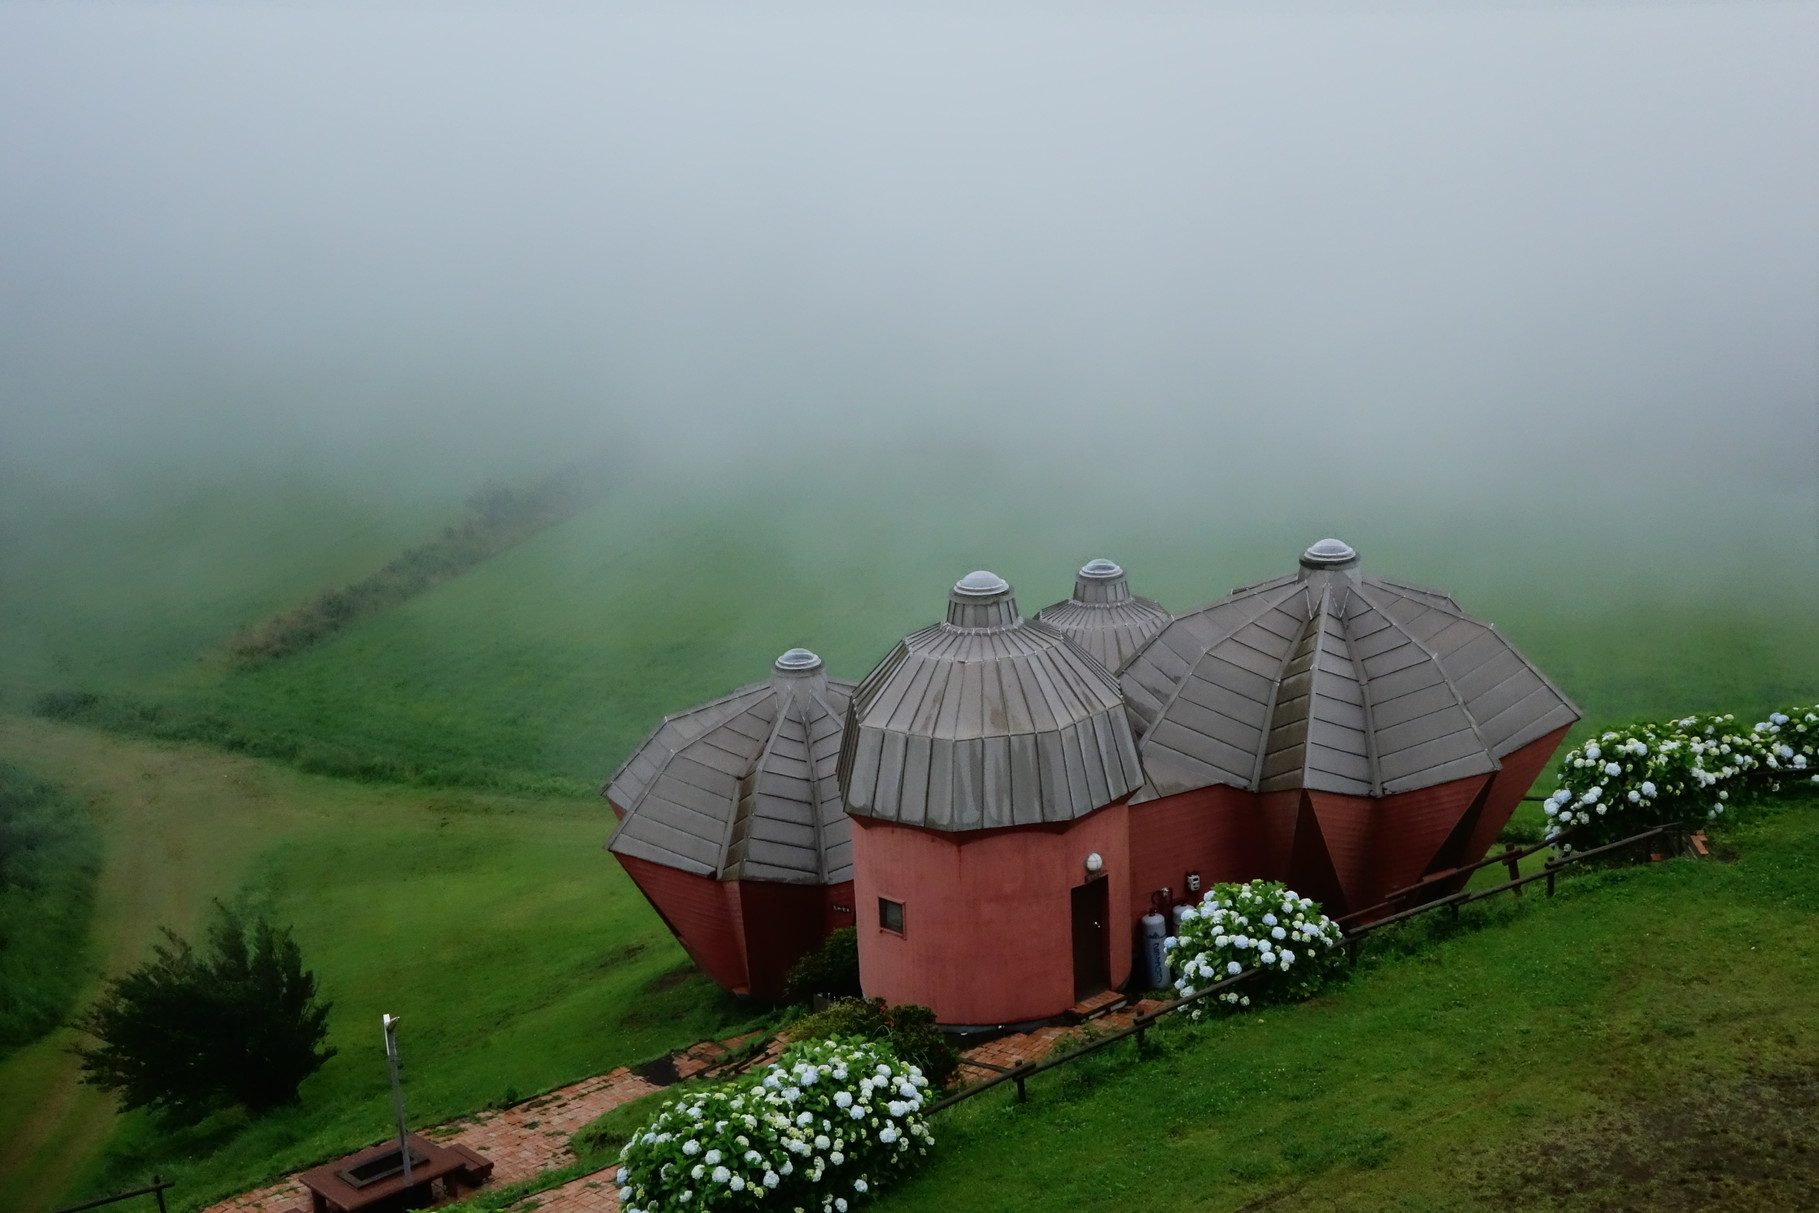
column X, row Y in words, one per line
column 1669, row 836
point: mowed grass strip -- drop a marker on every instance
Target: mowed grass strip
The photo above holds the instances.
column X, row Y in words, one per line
column 517, row 952
column 1648, row 1039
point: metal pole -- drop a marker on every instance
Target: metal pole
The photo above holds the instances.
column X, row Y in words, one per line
column 391, row 1057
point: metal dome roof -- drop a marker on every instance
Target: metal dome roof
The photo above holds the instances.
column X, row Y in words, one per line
column 986, row 720
column 744, row 788
column 1104, row 617
column 1335, row 681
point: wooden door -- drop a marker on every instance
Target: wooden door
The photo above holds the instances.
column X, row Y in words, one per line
column 1092, row 940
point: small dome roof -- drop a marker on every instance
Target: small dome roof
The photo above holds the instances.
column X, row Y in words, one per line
column 986, row 720
column 1104, row 617
column 744, row 788
column 1332, row 680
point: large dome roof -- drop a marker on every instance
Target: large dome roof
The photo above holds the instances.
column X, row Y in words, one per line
column 744, row 788
column 1332, row 680
column 1104, row 617
column 986, row 720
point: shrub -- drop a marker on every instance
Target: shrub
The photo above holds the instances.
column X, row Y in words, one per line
column 909, row 1029
column 50, row 854
column 187, row 1033
column 1260, row 924
column 831, row 969
column 830, row 1122
column 1678, row 770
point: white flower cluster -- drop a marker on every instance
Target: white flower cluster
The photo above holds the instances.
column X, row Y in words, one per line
column 830, row 1120
column 1261, row 924
column 1649, row 773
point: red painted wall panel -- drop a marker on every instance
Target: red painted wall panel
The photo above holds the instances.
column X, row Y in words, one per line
column 1416, row 826
column 1508, row 787
column 1214, row 831
column 701, row 912
column 782, row 924
column 988, row 926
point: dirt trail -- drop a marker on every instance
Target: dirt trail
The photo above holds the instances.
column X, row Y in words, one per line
column 179, row 826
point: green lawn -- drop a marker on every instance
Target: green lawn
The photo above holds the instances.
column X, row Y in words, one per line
column 1649, row 1039
column 462, row 883
column 519, row 955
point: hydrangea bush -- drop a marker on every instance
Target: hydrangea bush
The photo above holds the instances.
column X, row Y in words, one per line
column 1261, row 924
column 831, row 1121
column 1677, row 770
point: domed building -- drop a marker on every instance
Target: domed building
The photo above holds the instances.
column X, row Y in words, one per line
column 985, row 758
column 730, row 823
column 1341, row 731
column 1001, row 799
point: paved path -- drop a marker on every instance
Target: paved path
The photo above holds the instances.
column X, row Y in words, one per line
column 527, row 1139
column 521, row 1141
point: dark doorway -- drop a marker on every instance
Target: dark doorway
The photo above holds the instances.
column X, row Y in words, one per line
column 1092, row 965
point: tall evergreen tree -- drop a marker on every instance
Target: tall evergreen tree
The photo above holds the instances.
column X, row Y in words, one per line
column 185, row 1033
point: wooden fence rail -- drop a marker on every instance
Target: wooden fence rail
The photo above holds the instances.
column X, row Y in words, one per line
column 1023, row 1071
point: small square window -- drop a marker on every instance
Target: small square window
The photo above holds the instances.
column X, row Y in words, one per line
column 890, row 915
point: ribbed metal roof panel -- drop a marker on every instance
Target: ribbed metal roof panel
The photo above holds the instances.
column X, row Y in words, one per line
column 1103, row 618
column 968, row 727
column 1335, row 681
column 744, row 787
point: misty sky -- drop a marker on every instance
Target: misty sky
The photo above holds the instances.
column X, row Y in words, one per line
column 1411, row 256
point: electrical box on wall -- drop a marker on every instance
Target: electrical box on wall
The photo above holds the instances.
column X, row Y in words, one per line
column 1193, row 882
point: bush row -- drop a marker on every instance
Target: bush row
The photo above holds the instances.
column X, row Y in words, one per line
column 1684, row 770
column 498, row 518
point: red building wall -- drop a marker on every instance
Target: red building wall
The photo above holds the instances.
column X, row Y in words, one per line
column 988, row 920
column 745, row 935
column 701, row 912
column 1216, row 831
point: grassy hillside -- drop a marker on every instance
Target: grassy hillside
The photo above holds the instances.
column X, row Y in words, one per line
column 1648, row 1040
column 541, row 668
column 461, row 882
column 519, row 956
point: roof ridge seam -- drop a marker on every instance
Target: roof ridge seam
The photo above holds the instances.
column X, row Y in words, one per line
column 743, row 806
column 1269, row 709
column 1452, row 687
column 1175, row 693
column 1364, row 693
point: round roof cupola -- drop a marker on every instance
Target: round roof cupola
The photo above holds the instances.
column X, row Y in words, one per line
column 986, row 720
column 982, row 599
column 1104, row 617
column 1330, row 554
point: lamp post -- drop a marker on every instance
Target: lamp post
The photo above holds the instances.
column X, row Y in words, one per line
column 391, row 1056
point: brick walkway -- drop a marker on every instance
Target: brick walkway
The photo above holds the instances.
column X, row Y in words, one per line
column 532, row 1137
column 521, row 1141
